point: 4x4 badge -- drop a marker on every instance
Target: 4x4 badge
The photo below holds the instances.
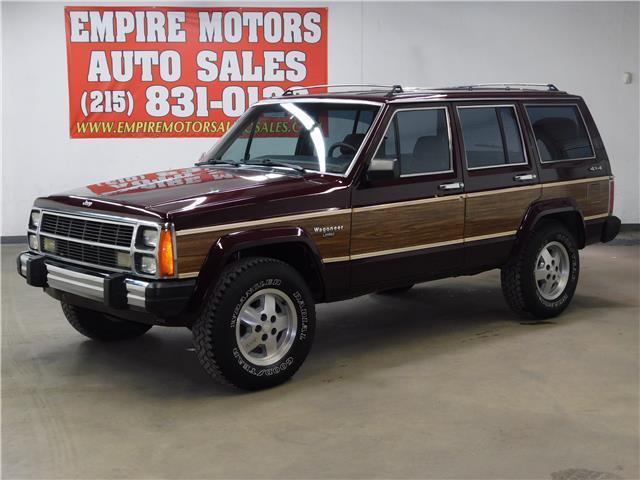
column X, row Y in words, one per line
column 87, row 203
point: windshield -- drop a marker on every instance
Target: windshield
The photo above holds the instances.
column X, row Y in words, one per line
column 322, row 137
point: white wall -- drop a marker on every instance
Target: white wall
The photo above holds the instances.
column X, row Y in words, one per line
column 582, row 47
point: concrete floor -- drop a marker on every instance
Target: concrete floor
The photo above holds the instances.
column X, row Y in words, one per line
column 441, row 382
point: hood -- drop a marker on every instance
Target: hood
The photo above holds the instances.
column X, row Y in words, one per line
column 184, row 188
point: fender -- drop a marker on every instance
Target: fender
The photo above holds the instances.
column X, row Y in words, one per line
column 227, row 246
column 542, row 209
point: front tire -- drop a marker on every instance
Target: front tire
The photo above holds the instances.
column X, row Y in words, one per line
column 257, row 326
column 102, row 327
column 542, row 278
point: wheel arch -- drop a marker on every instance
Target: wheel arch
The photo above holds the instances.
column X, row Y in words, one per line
column 292, row 245
column 563, row 210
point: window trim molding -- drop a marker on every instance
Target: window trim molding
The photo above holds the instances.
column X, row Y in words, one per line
column 584, row 124
column 449, row 134
column 522, row 142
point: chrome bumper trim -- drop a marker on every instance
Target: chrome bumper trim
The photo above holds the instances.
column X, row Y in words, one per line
column 87, row 285
column 136, row 292
column 81, row 284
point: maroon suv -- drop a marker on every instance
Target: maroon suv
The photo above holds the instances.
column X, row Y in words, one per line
column 318, row 198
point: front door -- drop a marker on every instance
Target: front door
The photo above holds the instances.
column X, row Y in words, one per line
column 409, row 227
column 500, row 176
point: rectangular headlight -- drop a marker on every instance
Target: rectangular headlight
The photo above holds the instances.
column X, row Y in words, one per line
column 149, row 237
column 33, row 242
column 147, row 264
column 34, row 219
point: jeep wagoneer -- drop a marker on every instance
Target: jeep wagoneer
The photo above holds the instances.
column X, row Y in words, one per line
column 318, row 197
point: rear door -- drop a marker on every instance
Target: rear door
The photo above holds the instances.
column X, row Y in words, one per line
column 410, row 227
column 501, row 179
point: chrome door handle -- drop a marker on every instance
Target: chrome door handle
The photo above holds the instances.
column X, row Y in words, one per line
column 524, row 178
column 451, row 186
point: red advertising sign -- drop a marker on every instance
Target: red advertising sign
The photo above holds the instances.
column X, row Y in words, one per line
column 185, row 72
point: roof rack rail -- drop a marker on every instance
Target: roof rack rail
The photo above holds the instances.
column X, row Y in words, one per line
column 509, row 86
column 393, row 89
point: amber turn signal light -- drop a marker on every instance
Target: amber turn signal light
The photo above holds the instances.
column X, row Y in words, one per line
column 165, row 254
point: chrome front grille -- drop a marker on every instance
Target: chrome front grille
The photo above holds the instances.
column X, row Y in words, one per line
column 88, row 241
column 82, row 252
column 89, row 230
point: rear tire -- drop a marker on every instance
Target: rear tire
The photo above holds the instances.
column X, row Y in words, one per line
column 102, row 327
column 542, row 278
column 257, row 326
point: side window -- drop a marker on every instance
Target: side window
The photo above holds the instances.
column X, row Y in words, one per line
column 419, row 141
column 491, row 136
column 560, row 132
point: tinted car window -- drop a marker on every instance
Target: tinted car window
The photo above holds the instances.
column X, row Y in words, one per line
column 323, row 136
column 422, row 140
column 491, row 136
column 560, row 132
column 512, row 138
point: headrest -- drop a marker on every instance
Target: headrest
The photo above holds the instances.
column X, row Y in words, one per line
column 430, row 145
column 561, row 128
column 354, row 139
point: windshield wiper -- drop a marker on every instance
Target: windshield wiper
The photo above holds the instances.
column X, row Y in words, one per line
column 217, row 161
column 270, row 163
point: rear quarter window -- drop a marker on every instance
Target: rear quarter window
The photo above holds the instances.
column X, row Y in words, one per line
column 560, row 132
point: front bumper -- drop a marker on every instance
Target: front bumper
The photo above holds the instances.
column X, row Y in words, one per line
column 115, row 291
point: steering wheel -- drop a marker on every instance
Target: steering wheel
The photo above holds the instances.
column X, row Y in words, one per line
column 341, row 144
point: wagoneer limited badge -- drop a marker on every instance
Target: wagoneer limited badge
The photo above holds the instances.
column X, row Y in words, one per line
column 328, row 231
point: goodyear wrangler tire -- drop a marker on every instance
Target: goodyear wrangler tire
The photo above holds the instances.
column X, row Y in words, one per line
column 543, row 277
column 98, row 326
column 257, row 326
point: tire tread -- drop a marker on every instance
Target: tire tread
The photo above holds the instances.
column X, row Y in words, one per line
column 202, row 330
column 90, row 324
column 511, row 274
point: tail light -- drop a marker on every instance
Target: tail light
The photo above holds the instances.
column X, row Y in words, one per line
column 611, row 195
column 165, row 254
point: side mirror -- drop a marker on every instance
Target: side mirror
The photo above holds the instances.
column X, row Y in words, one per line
column 383, row 169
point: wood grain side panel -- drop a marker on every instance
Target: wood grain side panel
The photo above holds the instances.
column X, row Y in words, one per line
column 592, row 198
column 407, row 226
column 193, row 249
column 498, row 212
